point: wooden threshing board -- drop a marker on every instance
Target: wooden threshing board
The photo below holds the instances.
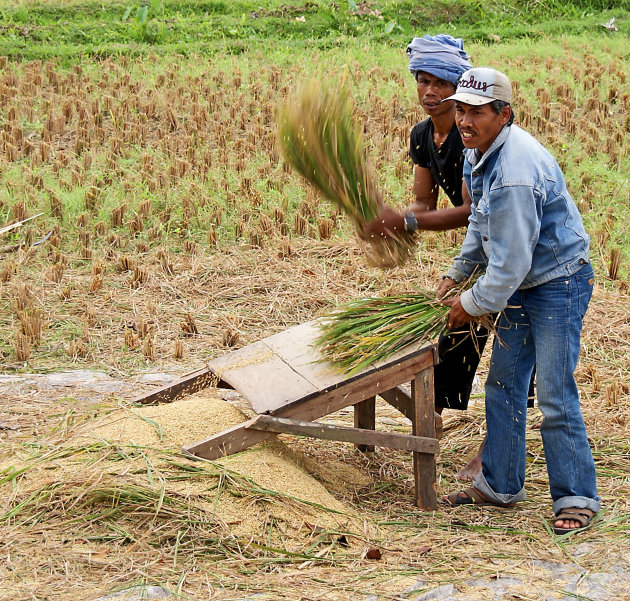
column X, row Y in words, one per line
column 285, row 381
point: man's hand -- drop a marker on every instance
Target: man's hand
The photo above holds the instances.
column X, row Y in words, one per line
column 387, row 223
column 457, row 316
column 445, row 285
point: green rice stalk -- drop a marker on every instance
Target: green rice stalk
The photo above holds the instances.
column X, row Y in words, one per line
column 320, row 139
column 367, row 330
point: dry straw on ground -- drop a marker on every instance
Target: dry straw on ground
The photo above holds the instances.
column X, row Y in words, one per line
column 262, row 301
column 80, row 531
column 270, row 295
column 96, row 493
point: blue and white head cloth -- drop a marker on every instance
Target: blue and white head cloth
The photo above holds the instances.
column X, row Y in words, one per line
column 441, row 55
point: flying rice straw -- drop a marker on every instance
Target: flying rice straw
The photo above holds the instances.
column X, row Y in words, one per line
column 320, row 140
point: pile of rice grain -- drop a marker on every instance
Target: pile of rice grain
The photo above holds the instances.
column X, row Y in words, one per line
column 169, row 425
column 271, row 466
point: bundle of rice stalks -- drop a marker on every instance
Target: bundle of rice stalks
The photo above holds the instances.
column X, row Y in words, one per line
column 366, row 330
column 320, row 139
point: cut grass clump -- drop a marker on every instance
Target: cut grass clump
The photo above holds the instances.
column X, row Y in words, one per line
column 321, row 140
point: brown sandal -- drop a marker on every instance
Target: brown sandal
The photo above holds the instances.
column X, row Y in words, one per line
column 471, row 496
column 576, row 514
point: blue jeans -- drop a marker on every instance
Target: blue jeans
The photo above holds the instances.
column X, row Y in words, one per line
column 541, row 326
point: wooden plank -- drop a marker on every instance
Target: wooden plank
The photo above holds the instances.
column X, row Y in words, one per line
column 264, row 380
column 296, row 346
column 423, row 424
column 189, row 384
column 357, row 389
column 365, row 419
column 317, row 405
column 401, row 400
column 439, row 426
column 404, row 442
column 403, row 353
column 235, row 439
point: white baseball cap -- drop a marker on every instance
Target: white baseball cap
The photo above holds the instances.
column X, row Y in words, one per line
column 482, row 85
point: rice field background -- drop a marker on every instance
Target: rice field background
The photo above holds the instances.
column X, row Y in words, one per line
column 164, row 228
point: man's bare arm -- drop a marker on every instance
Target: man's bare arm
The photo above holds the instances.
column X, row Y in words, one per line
column 424, row 208
column 425, row 189
column 442, row 219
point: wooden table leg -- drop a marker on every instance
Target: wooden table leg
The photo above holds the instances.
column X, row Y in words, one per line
column 423, row 424
column 365, row 417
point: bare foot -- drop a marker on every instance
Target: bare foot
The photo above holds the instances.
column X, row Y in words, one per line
column 568, row 524
column 471, row 470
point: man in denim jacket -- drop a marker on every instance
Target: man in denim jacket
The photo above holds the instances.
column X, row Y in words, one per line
column 526, row 235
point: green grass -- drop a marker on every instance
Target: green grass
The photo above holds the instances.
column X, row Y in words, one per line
column 63, row 30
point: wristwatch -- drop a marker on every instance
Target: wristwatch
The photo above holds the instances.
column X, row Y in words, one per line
column 410, row 222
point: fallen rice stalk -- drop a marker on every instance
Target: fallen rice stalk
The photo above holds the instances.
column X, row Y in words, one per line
column 12, row 226
column 320, row 139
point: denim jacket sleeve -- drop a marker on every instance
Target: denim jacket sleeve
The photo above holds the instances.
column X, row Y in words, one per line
column 506, row 231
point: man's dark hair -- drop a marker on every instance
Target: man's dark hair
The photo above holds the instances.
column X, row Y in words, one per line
column 499, row 105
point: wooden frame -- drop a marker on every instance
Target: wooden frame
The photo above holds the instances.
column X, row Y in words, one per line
column 289, row 387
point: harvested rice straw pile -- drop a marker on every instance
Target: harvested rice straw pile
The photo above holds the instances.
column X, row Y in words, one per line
column 319, row 138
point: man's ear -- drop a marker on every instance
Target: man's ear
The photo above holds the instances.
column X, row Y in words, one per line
column 505, row 115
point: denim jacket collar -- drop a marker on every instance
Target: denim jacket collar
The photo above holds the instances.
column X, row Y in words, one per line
column 477, row 160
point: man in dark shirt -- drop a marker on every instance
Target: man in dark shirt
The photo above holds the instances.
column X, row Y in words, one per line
column 437, row 152
column 442, row 157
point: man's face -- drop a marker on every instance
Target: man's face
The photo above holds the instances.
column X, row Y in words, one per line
column 479, row 125
column 431, row 91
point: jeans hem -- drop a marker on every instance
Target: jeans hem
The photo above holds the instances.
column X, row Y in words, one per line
column 481, row 484
column 578, row 503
